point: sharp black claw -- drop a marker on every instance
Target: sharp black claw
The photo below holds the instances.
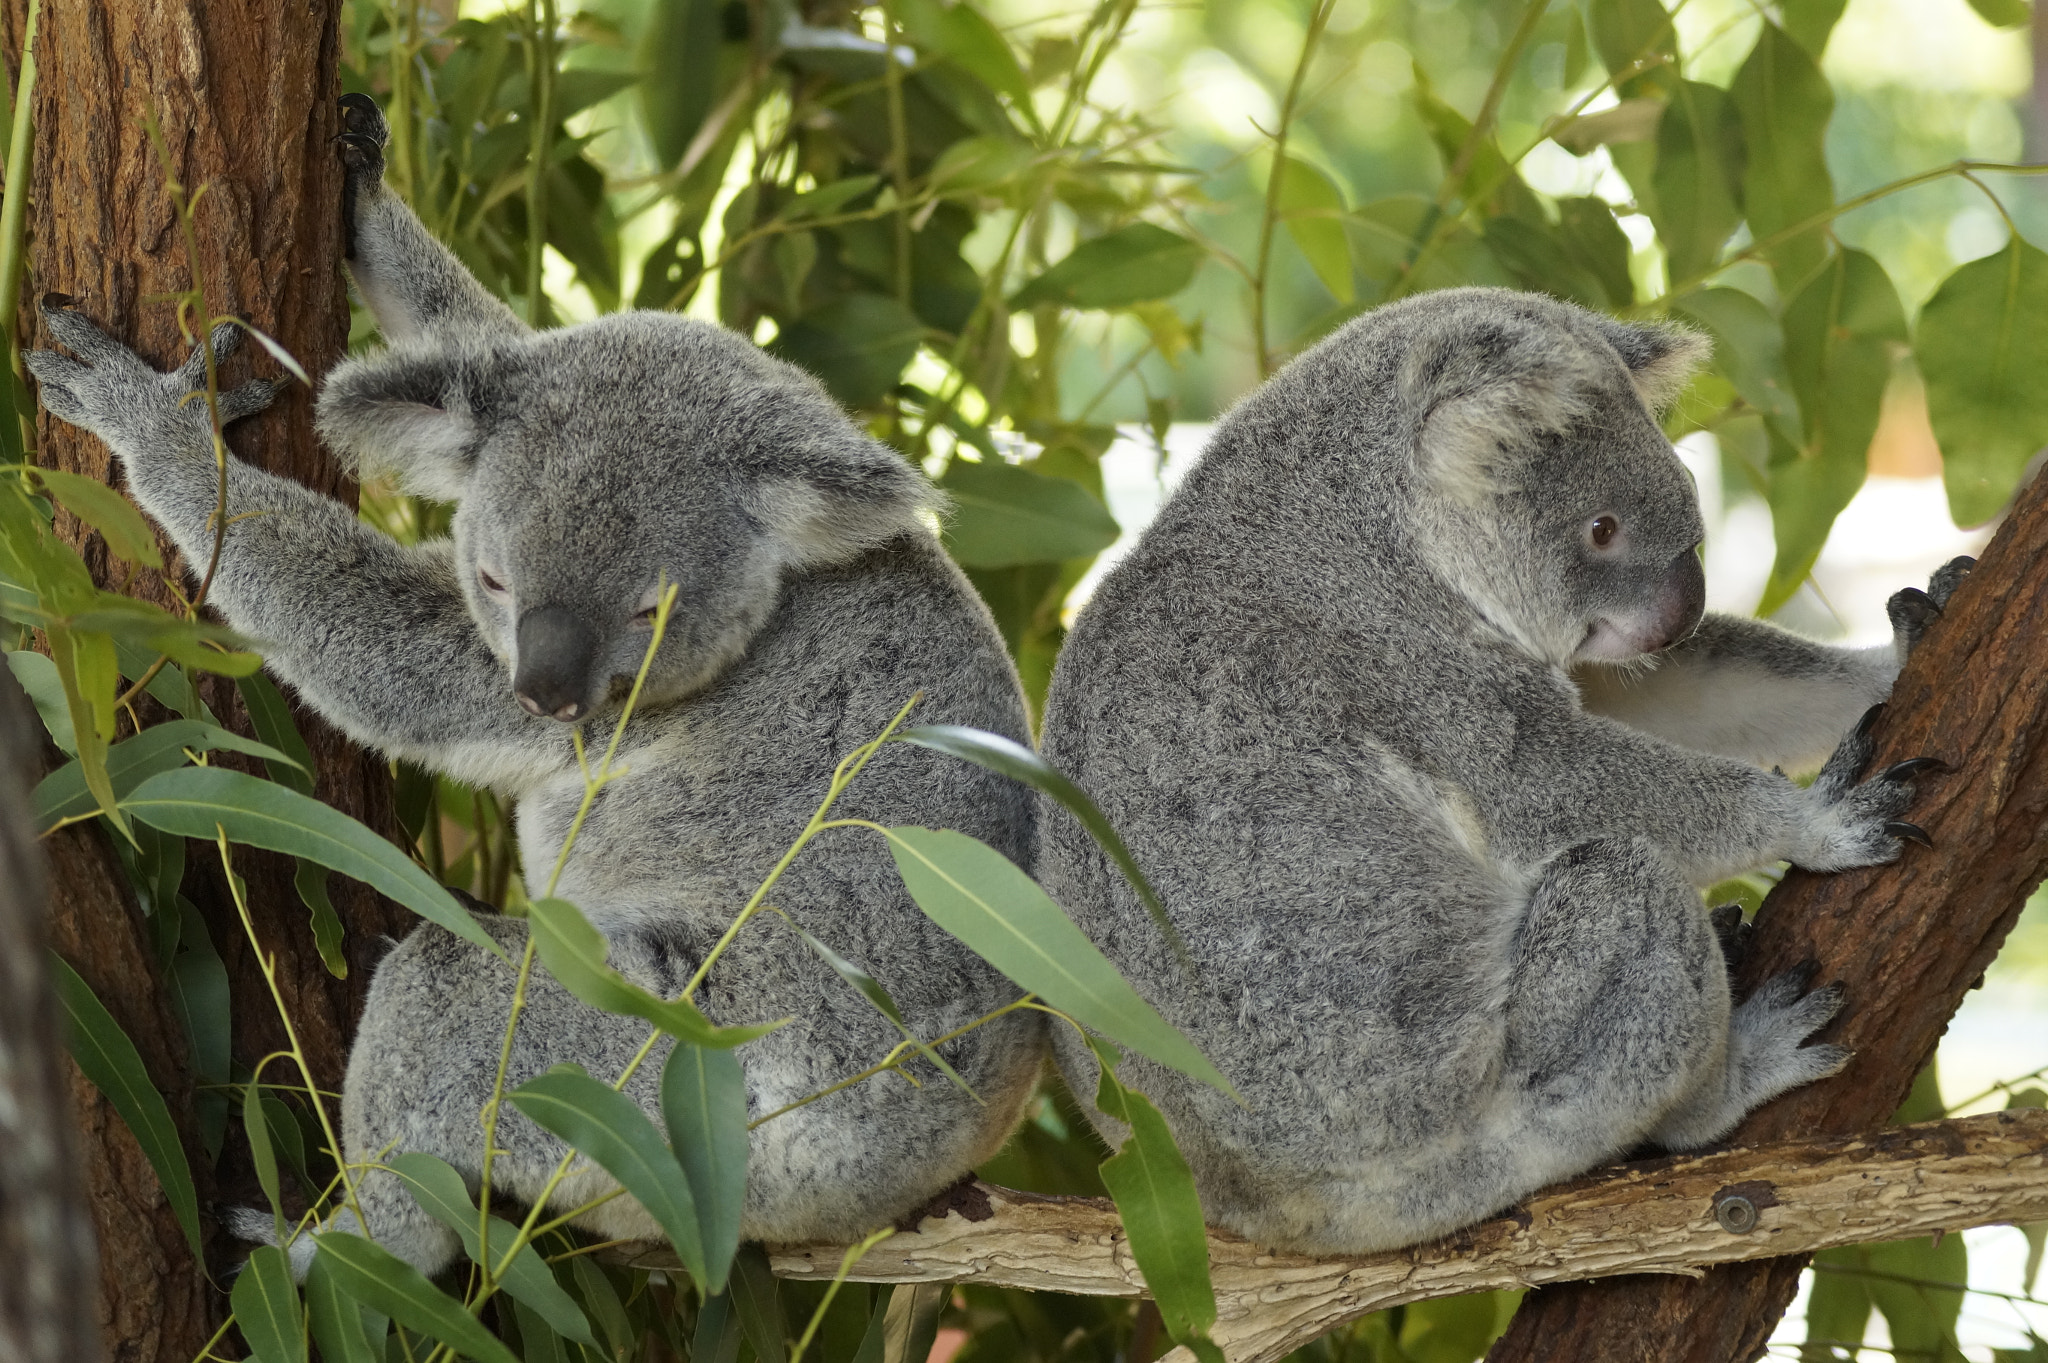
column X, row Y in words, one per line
column 1908, row 832
column 1912, row 767
column 1869, row 720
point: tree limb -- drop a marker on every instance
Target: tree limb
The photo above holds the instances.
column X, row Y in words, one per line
column 1909, row 940
column 1654, row 1216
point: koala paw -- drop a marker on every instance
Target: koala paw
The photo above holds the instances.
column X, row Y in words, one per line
column 1765, row 1032
column 109, row 391
column 1913, row 610
column 361, row 146
column 1857, row 823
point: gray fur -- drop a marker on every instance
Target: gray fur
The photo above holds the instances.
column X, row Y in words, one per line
column 1444, row 911
column 592, row 463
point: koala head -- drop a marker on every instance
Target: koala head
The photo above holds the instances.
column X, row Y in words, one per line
column 1546, row 492
column 596, row 465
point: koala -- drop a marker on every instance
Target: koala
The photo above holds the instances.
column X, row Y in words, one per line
column 1407, row 704
column 591, row 466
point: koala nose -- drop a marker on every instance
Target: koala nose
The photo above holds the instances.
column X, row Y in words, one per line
column 1684, row 598
column 556, row 649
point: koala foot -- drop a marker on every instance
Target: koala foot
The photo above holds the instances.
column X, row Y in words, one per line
column 1764, row 1055
column 1858, row 824
column 360, row 144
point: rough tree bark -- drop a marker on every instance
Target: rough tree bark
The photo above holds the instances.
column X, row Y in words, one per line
column 244, row 93
column 1909, row 939
column 45, row 1232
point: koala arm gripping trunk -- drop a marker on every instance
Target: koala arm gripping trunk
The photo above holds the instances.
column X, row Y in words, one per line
column 413, row 284
column 376, row 636
column 1745, row 689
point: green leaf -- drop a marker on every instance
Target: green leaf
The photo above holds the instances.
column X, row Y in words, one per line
column 193, row 801
column 1838, row 1309
column 310, row 880
column 109, row 1059
column 1749, row 351
column 345, row 1330
column 613, row 1132
column 1003, row 515
column 1133, row 264
column 171, row 686
column 1542, row 259
column 1632, row 120
column 976, row 165
column 579, row 87
column 1594, row 241
column 440, row 1192
column 574, row 953
column 107, row 511
column 1452, row 1329
column 38, row 676
column 2003, row 13
column 370, row 1274
column 1386, row 233
column 266, row 1308
column 959, row 32
column 271, row 717
column 870, row 988
column 1313, row 208
column 1909, row 1288
column 757, row 1302
column 1811, row 21
column 857, row 345
column 257, row 1127
column 1012, row 759
column 1155, row 1196
column 704, row 1104
column 191, row 642
column 826, row 199
column 1841, row 333
column 718, row 1335
column 1982, row 351
column 1785, row 104
column 976, row 893
column 1699, row 172
column 161, row 747
column 679, row 52
column 538, row 1342
column 1627, row 32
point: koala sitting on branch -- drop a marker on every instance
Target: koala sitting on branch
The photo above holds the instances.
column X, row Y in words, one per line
column 1408, row 705
column 592, row 465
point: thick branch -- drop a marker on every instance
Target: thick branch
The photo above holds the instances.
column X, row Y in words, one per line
column 1909, row 940
column 1658, row 1216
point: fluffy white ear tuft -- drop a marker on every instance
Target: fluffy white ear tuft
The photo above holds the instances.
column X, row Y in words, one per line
column 862, row 494
column 1479, row 390
column 407, row 414
column 1661, row 357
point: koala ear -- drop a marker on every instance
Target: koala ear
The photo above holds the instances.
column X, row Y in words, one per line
column 828, row 509
column 410, row 414
column 1661, row 357
column 1478, row 388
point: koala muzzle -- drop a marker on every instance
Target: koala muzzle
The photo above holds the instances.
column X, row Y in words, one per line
column 1683, row 598
column 556, row 652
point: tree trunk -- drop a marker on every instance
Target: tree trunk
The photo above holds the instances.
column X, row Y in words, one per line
column 243, row 91
column 1910, row 939
column 45, row 1232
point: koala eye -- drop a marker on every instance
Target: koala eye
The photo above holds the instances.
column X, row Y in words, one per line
column 490, row 584
column 645, row 619
column 1602, row 531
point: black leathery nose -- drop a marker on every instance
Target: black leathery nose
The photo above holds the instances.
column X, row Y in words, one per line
column 556, row 653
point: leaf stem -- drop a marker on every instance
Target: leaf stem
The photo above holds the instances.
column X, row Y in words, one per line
column 1319, row 18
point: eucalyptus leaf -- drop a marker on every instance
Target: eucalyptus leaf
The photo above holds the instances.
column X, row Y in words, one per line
column 1784, row 103
column 976, row 893
column 857, row 345
column 1313, row 208
column 161, row 747
column 609, row 1128
column 1162, row 1215
column 704, row 1105
column 1982, row 350
column 344, row 1329
column 1003, row 515
column 266, row 1307
column 441, row 1193
column 193, row 802
column 370, row 1274
column 109, row 1059
column 574, row 953
column 127, row 535
column 1133, row 264
column 1699, row 176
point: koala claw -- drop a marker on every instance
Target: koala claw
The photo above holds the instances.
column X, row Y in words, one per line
column 1869, row 720
column 362, row 119
column 361, row 146
column 1911, row 612
column 1947, row 578
column 1911, row 767
column 1908, row 832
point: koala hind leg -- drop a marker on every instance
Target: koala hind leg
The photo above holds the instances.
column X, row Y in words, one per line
column 1764, row 1059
